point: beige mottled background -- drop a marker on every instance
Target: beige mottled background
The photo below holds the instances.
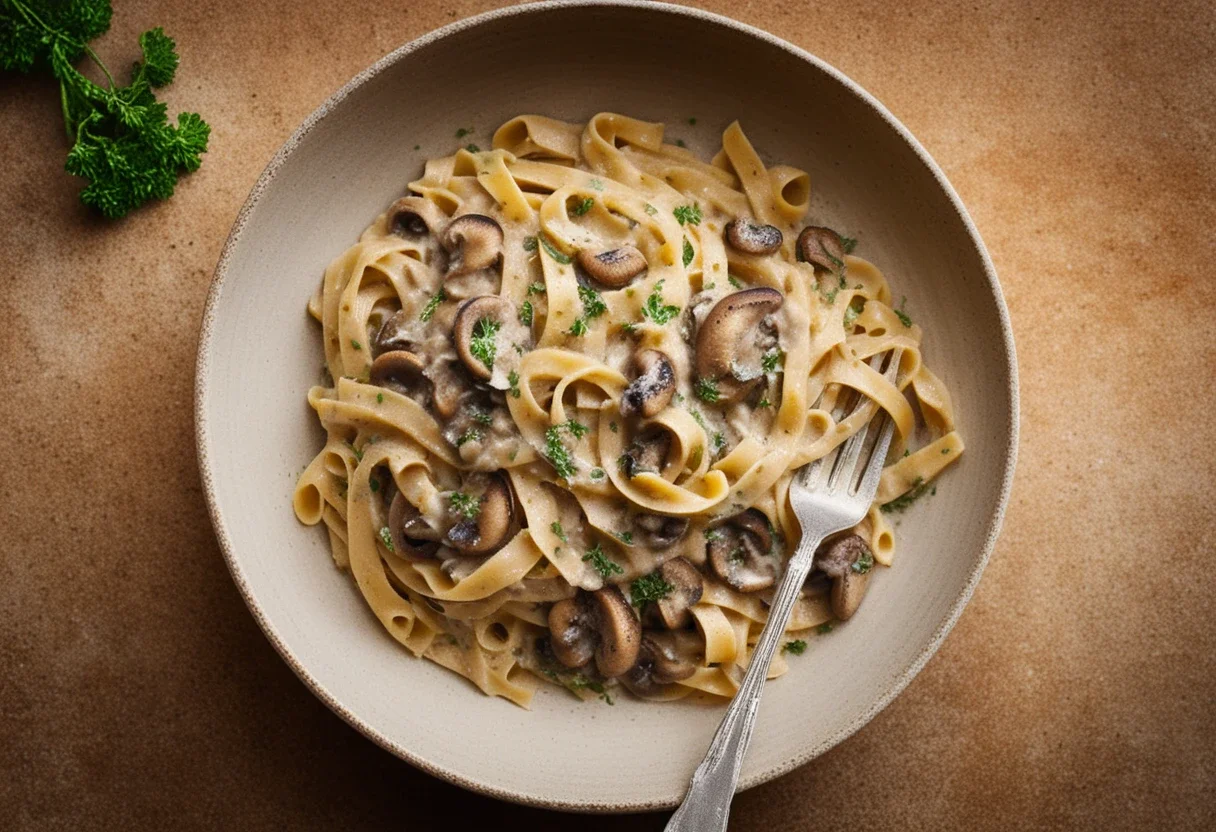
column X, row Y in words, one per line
column 1077, row 690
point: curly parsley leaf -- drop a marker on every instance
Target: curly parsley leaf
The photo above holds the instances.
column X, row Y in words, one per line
column 689, row 253
column 797, row 647
column 582, row 207
column 649, row 588
column 601, row 563
column 688, row 214
column 484, row 344
column 707, row 390
column 593, row 302
column 466, row 505
column 655, row 309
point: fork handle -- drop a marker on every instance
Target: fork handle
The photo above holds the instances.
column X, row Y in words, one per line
column 706, row 806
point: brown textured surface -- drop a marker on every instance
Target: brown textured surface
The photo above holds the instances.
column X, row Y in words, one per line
column 1077, row 690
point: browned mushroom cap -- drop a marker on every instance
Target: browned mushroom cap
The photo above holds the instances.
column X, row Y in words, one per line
column 648, row 452
column 615, row 267
column 411, row 536
column 473, row 242
column 750, row 238
column 687, row 588
column 740, row 551
column 413, row 216
column 391, row 335
column 659, row 664
column 448, row 387
column 730, row 341
column 599, row 624
column 822, row 247
column 489, row 529
column 479, row 321
column 836, row 557
column 401, row 371
column 658, row 531
column 848, row 561
column 652, row 390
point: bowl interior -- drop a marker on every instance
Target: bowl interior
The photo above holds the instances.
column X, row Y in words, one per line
column 260, row 353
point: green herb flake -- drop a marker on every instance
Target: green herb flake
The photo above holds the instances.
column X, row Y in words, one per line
column 484, row 345
column 530, row 244
column 480, row 416
column 554, row 252
column 470, row 435
column 901, row 503
column 374, row 485
column 707, row 390
column 601, row 563
column 513, row 380
column 689, row 252
column 824, row 628
column 734, row 281
column 773, row 360
column 379, row 398
column 650, row 209
column 579, row 327
column 649, row 588
column 593, row 302
column 595, row 185
column 526, row 313
column 597, row 474
column 864, row 562
column 680, row 143
column 692, row 120
column 850, row 317
column 612, row 427
column 945, row 451
column 428, row 311
column 797, row 647
column 625, row 537
column 583, row 207
column 655, row 309
column 386, row 537
column 688, row 214
column 356, row 344
column 417, row 147
column 556, row 452
column 719, row 442
column 901, row 314
column 466, row 505
column 763, row 403
column 848, row 244
column 557, row 529
column 472, row 148
column 464, row 131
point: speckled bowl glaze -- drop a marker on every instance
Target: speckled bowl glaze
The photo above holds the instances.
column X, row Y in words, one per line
column 259, row 353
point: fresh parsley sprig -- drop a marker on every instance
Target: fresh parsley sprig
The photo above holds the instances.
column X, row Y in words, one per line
column 123, row 142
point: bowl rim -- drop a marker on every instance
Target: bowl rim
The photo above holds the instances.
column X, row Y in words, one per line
column 203, row 365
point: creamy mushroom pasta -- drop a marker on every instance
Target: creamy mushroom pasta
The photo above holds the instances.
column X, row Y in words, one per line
column 573, row 376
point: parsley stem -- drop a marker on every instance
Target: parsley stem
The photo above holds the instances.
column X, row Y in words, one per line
column 109, row 78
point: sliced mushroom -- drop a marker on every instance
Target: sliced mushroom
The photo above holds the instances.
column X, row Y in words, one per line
column 392, row 334
column 411, row 536
column 848, row 561
column 732, row 340
column 615, row 267
column 599, row 625
column 821, row 247
column 414, row 216
column 750, row 238
column 658, row 531
column 740, row 551
column 651, row 391
column 481, row 320
column 490, row 528
column 659, row 664
column 648, row 452
column 473, row 242
column 402, row 371
column 687, row 585
column 448, row 387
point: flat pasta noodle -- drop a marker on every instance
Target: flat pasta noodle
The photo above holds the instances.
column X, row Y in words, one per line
column 495, row 457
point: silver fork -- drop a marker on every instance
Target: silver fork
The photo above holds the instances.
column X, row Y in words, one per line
column 826, row 498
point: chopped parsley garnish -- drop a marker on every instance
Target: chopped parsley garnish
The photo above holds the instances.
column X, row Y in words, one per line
column 713, row 534
column 465, row 505
column 649, row 588
column 919, row 486
column 797, row 647
column 470, row 435
column 680, row 143
column 358, row 452
column 612, row 427
column 579, row 327
column 593, row 302
column 464, row 131
column 373, row 484
column 764, row 402
column 472, row 148
column 386, row 537
column 595, row 185
column 557, row 529
column 629, row 328
column 901, row 314
column 737, row 555
column 597, row 474
column 772, row 360
column 554, row 252
column 601, row 563
column 625, row 537
column 483, row 346
column 513, row 380
column 719, row 441
column 577, row 682
column 848, row 243
column 526, row 313
column 692, row 121
column 650, row 209
column 688, row 214
column 582, row 207
column 536, row 288
column 734, row 281
column 379, row 398
column 824, row 628
column 431, row 305
column 655, row 310
column 945, row 451
column 481, row 417
column 707, row 390
column 356, row 344
column 850, row 317
column 556, row 452
column 530, row 244
column 864, row 563
column 689, row 252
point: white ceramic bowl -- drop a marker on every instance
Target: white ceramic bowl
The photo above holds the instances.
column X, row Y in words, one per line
column 259, row 353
